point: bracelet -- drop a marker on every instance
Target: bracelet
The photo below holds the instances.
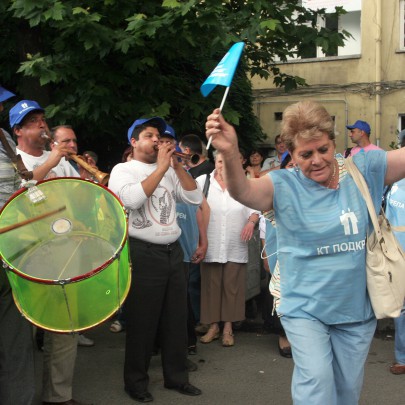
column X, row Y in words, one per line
column 253, row 222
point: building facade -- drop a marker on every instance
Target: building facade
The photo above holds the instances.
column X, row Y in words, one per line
column 365, row 80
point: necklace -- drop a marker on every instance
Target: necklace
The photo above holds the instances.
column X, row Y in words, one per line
column 333, row 174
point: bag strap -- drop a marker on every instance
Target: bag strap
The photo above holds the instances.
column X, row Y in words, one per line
column 15, row 159
column 206, row 185
column 362, row 186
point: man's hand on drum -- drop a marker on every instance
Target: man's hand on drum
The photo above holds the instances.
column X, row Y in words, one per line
column 223, row 134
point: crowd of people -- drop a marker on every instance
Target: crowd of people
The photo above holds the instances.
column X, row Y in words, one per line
column 189, row 225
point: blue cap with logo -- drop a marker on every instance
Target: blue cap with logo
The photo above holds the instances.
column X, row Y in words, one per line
column 362, row 125
column 21, row 109
column 5, row 94
column 157, row 121
column 169, row 131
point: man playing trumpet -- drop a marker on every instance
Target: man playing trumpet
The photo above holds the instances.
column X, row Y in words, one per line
column 27, row 120
column 63, row 135
column 149, row 186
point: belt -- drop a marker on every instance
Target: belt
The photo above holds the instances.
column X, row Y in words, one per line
column 165, row 246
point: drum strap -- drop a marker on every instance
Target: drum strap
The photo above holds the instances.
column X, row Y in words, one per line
column 15, row 159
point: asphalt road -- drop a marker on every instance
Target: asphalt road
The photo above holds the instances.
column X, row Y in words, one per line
column 251, row 372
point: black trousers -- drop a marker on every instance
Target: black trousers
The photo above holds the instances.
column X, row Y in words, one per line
column 156, row 305
column 191, row 323
column 17, row 376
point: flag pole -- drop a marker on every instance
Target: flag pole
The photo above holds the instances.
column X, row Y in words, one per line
column 220, row 109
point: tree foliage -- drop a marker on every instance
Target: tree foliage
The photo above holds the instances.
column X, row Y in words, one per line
column 99, row 64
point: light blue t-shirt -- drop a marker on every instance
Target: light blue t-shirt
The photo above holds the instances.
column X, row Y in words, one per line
column 271, row 240
column 187, row 220
column 321, row 242
column 395, row 209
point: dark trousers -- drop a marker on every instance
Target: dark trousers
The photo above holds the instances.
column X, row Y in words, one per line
column 17, row 381
column 191, row 323
column 156, row 305
column 194, row 289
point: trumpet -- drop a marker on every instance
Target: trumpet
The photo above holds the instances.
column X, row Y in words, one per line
column 98, row 175
column 191, row 158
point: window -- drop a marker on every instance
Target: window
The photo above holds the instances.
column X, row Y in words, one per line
column 401, row 122
column 402, row 25
column 350, row 22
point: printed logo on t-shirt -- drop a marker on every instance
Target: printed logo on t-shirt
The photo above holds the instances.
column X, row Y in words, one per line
column 349, row 222
column 162, row 206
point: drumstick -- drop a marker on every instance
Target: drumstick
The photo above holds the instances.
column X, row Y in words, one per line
column 29, row 221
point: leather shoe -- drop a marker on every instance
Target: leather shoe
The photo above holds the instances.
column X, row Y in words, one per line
column 397, row 369
column 192, row 350
column 144, row 396
column 284, row 347
column 285, row 352
column 185, row 389
column 70, row 402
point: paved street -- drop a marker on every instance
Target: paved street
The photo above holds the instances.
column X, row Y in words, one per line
column 251, row 372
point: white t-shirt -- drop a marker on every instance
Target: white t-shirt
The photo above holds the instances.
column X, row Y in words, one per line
column 271, row 163
column 62, row 169
column 227, row 219
column 151, row 219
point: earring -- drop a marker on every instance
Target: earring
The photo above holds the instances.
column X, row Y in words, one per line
column 296, row 168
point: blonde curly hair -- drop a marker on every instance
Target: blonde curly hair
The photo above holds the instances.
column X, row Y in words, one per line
column 307, row 120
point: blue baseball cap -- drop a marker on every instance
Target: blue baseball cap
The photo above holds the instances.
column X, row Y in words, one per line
column 5, row 94
column 21, row 109
column 362, row 125
column 169, row 131
column 157, row 121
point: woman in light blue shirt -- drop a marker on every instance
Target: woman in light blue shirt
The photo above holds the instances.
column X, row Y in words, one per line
column 395, row 211
column 322, row 222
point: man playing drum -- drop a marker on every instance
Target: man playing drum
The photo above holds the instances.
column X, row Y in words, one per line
column 149, row 186
column 27, row 120
column 17, row 383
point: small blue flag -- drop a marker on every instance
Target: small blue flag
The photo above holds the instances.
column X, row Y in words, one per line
column 223, row 73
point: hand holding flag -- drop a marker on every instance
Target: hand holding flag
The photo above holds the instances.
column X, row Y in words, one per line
column 223, row 74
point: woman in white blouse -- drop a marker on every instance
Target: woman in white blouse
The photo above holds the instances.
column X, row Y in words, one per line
column 223, row 271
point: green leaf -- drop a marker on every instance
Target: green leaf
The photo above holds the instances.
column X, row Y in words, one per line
column 171, row 4
column 270, row 24
column 79, row 10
